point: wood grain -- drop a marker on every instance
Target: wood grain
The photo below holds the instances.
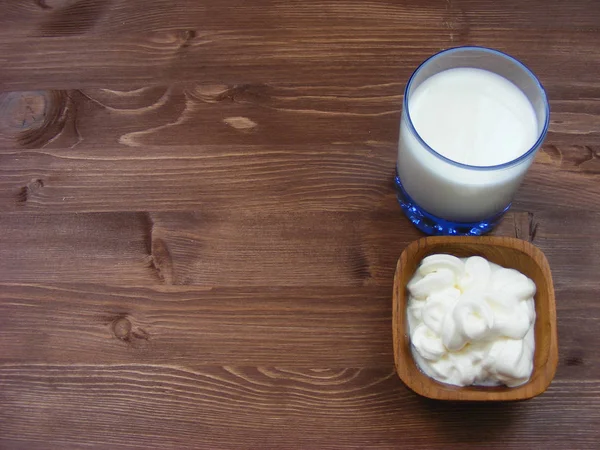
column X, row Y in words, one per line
column 247, row 114
column 199, row 229
column 60, row 18
column 196, row 326
column 258, row 178
column 192, row 178
column 291, row 327
column 124, row 406
column 203, row 248
column 237, row 248
column 325, row 55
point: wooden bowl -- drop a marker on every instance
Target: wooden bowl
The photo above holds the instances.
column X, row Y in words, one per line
column 507, row 252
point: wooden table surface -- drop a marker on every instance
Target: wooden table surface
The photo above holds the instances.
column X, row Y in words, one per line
column 198, row 227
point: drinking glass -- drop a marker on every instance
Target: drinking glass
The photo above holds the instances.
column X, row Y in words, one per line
column 441, row 196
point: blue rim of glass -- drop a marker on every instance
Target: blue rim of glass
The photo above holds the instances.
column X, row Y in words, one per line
column 513, row 162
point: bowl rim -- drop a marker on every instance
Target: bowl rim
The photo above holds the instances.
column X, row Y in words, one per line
column 426, row 386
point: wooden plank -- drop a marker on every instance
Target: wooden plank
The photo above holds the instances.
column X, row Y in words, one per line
column 246, row 114
column 262, row 178
column 319, row 55
column 204, row 248
column 196, row 326
column 93, row 246
column 156, row 406
column 337, row 177
column 296, row 327
column 241, row 248
column 55, row 18
column 198, row 115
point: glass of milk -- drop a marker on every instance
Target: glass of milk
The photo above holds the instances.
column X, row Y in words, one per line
column 472, row 120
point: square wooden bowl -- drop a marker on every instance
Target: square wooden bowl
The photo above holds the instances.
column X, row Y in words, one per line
column 507, row 252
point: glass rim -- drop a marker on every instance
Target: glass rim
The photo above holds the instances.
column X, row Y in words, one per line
column 528, row 72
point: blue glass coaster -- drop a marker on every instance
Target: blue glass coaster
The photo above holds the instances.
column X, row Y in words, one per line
column 433, row 225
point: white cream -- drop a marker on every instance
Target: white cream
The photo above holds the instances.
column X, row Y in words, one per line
column 471, row 321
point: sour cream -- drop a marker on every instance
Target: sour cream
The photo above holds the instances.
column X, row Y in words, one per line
column 471, row 322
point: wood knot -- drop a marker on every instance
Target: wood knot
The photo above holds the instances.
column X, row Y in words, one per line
column 575, row 361
column 122, row 328
column 187, row 36
column 575, row 358
column 526, row 226
column 361, row 267
column 175, row 39
column 23, row 110
column 161, row 261
column 32, row 119
column 246, row 93
column 26, row 192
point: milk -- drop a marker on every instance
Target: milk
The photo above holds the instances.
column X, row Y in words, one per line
column 474, row 117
